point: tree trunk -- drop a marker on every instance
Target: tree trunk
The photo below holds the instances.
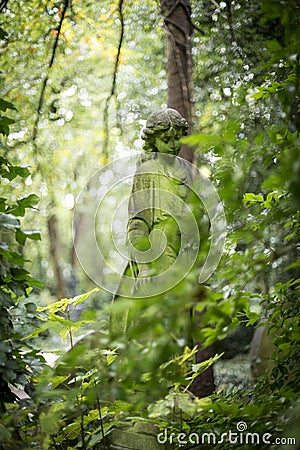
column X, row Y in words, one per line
column 204, row 384
column 54, row 252
column 179, row 31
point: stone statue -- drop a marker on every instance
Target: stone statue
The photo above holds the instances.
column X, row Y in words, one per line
column 162, row 135
column 157, row 205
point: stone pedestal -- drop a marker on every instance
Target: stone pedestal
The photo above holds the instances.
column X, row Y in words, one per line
column 261, row 352
column 142, row 436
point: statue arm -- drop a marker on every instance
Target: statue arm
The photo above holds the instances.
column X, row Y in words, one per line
column 138, row 233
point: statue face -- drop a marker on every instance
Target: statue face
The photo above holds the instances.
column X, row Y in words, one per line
column 169, row 141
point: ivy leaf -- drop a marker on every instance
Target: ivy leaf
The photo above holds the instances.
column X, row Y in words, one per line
column 2, row 204
column 9, row 222
column 21, row 236
column 35, row 235
column 28, row 202
column 30, row 307
column 258, row 95
column 204, row 140
column 17, row 211
column 13, row 171
column 4, row 105
column 5, row 300
column 19, row 274
column 4, row 124
column 23, row 172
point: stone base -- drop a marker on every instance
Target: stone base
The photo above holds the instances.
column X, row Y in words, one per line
column 142, row 436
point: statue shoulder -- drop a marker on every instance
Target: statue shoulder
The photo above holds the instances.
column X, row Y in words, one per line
column 149, row 166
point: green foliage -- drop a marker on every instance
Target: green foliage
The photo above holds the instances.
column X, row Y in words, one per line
column 283, row 319
column 250, row 145
column 72, row 131
column 74, row 384
column 4, row 120
column 15, row 281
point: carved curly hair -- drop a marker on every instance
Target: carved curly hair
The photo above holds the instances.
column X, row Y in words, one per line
column 160, row 121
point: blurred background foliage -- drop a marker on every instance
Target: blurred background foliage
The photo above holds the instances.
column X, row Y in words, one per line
column 65, row 112
column 79, row 126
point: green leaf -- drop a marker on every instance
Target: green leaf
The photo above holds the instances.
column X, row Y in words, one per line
column 258, row 95
column 17, row 211
column 51, row 421
column 5, row 300
column 71, row 431
column 30, row 307
column 4, row 105
column 14, row 258
column 251, row 198
column 203, row 140
column 253, row 317
column 9, row 222
column 13, row 171
column 4, row 124
column 203, row 366
column 34, row 282
column 5, row 435
column 35, row 235
column 61, row 305
column 19, row 274
column 2, row 204
column 97, row 436
column 110, row 355
column 274, row 46
column 45, row 326
column 3, row 35
column 28, row 202
column 20, row 237
column 160, row 409
column 192, row 406
column 23, row 172
column 81, row 298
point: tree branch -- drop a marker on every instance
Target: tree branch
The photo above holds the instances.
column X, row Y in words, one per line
column 197, row 28
column 113, row 86
column 44, row 85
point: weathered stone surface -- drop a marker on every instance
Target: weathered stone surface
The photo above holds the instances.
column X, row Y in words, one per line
column 139, row 437
column 143, row 436
column 261, row 352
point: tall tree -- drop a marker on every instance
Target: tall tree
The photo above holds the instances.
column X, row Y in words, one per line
column 179, row 31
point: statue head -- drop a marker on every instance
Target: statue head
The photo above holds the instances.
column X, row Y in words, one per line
column 163, row 132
